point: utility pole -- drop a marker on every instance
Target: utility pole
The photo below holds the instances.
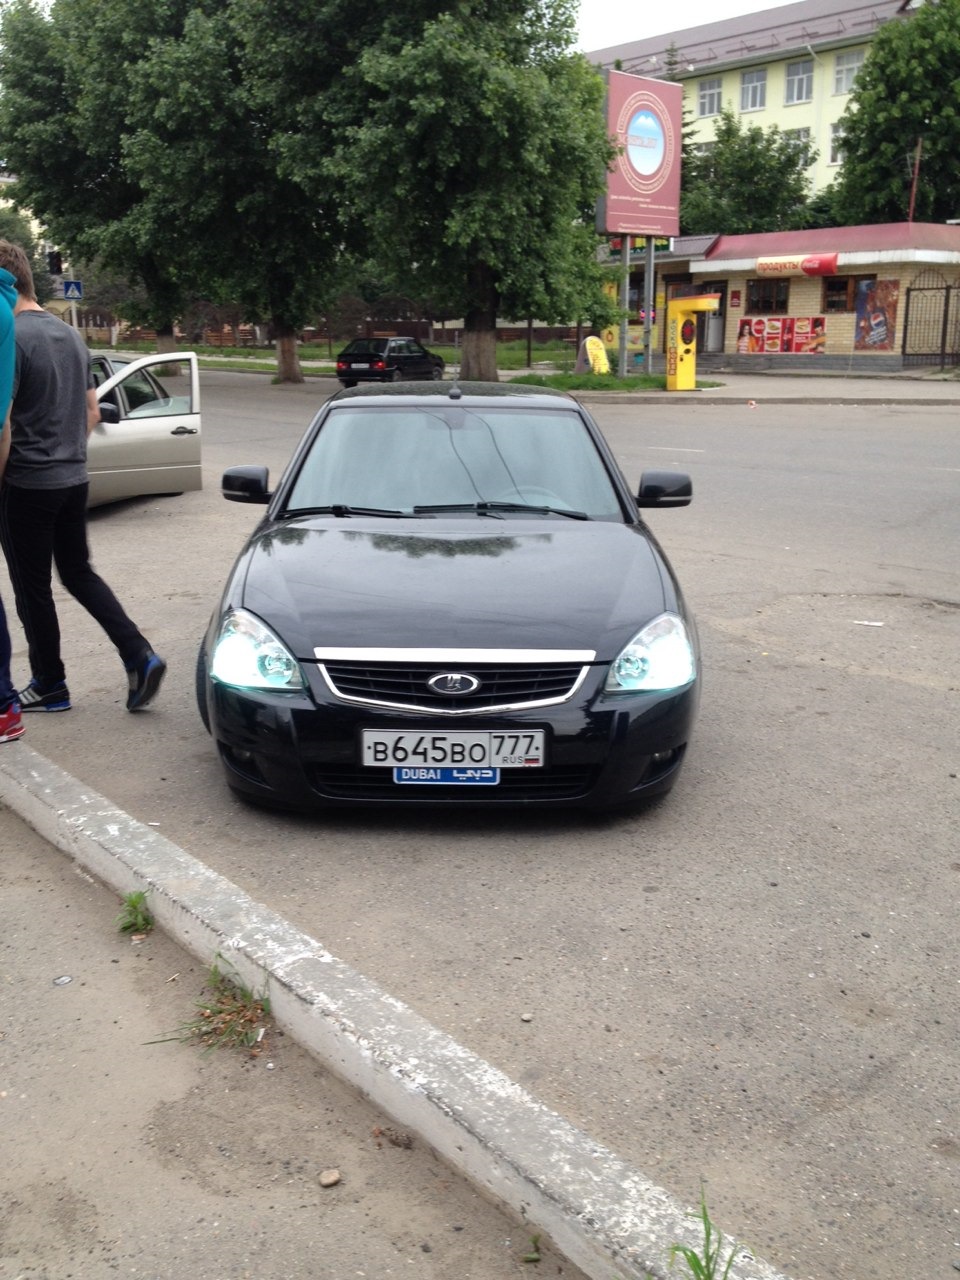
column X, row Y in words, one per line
column 916, row 175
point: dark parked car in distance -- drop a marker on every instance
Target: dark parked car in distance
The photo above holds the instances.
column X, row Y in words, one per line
column 387, row 360
column 451, row 598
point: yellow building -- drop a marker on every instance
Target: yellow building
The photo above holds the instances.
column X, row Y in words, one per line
column 792, row 67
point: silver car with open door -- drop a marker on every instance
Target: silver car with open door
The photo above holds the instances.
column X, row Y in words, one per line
column 148, row 439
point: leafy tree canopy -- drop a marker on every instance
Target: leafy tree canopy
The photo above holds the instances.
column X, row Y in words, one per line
column 907, row 92
column 134, row 140
column 17, row 229
column 67, row 76
column 238, row 151
column 469, row 151
column 752, row 180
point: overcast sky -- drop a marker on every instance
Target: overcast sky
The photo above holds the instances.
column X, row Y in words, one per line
column 607, row 22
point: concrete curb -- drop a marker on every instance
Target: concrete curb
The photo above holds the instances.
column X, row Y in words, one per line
column 601, row 1214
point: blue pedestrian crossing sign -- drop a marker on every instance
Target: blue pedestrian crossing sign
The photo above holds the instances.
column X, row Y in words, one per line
column 73, row 289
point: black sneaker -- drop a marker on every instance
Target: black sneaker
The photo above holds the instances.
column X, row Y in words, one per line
column 145, row 680
column 35, row 698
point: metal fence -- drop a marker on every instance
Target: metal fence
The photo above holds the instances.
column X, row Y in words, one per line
column 931, row 324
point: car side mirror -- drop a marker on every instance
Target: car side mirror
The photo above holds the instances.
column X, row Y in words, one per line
column 109, row 412
column 246, row 484
column 664, row 489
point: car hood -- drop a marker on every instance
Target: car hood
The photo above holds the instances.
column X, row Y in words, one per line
column 538, row 583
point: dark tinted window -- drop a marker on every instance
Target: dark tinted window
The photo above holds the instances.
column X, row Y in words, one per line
column 404, row 457
column 366, row 347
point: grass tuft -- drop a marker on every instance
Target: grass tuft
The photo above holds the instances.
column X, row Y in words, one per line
column 135, row 916
column 231, row 1017
column 705, row 1264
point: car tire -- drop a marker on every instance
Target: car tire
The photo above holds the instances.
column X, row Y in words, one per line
column 437, row 373
column 395, row 375
column 201, row 688
column 348, row 385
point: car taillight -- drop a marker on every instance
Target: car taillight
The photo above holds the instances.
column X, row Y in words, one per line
column 342, row 364
column 379, row 364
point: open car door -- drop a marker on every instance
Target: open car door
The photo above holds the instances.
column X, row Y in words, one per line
column 148, row 440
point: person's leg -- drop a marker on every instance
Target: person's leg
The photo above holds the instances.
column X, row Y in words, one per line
column 71, row 556
column 8, row 693
column 11, row 724
column 145, row 670
column 27, row 518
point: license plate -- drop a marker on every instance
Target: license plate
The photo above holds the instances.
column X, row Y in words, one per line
column 357, row 365
column 417, row 775
column 487, row 750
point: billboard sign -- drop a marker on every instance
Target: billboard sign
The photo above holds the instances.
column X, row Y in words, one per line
column 643, row 187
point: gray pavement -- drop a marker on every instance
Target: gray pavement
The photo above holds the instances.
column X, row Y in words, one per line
column 755, row 389
column 85, row 1040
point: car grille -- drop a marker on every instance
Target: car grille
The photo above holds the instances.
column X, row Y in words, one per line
column 502, row 686
column 350, row 782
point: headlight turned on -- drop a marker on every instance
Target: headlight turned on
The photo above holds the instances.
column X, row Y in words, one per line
column 248, row 655
column 660, row 657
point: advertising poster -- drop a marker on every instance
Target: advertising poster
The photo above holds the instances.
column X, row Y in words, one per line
column 644, row 119
column 779, row 335
column 876, row 308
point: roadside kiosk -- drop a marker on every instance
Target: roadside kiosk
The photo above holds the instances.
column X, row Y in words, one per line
column 682, row 339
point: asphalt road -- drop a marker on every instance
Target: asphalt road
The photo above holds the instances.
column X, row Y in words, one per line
column 755, row 984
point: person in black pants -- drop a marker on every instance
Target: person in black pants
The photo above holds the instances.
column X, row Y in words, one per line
column 43, row 502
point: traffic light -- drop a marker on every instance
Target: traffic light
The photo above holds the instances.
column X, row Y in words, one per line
column 55, row 262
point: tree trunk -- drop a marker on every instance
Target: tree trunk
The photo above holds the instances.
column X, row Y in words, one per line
column 288, row 357
column 166, row 341
column 165, row 338
column 479, row 363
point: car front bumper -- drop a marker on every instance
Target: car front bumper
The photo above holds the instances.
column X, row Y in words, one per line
column 303, row 749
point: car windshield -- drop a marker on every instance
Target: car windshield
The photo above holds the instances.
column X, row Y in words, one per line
column 410, row 459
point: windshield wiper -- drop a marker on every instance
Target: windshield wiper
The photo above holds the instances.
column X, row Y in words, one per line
column 495, row 508
column 341, row 509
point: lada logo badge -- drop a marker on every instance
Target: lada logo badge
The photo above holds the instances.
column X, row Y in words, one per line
column 453, row 684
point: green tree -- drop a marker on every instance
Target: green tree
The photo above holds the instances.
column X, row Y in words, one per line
column 108, row 291
column 751, row 180
column 200, row 151
column 469, row 148
column 135, row 141
column 67, row 75
column 17, row 229
column 821, row 209
column 906, row 96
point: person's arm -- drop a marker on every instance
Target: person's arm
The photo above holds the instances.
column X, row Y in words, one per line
column 93, row 410
column 4, row 446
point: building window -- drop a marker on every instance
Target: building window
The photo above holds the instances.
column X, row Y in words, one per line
column 703, row 153
column 768, row 297
column 848, row 64
column 836, row 143
column 799, row 138
column 799, row 81
column 753, row 90
column 840, row 292
column 710, row 93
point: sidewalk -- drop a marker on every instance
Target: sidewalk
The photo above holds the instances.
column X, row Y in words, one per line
column 125, row 1151
column 755, row 389
column 120, row 1152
